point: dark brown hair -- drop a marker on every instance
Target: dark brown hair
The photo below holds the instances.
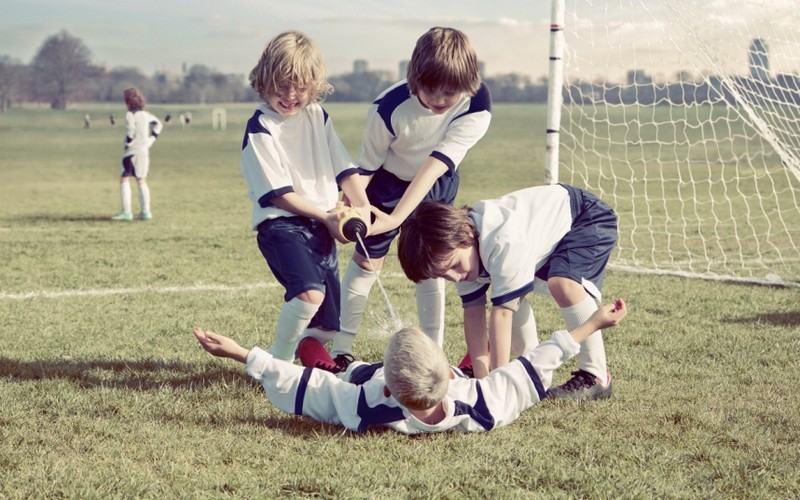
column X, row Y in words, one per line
column 134, row 100
column 429, row 237
column 444, row 59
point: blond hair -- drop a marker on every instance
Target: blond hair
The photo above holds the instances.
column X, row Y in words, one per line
column 134, row 99
column 443, row 58
column 290, row 58
column 416, row 369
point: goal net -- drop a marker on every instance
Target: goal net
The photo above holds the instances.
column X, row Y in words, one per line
column 685, row 117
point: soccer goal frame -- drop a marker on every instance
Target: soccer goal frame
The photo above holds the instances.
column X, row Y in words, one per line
column 687, row 121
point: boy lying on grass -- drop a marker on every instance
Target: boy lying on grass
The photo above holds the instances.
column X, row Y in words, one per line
column 414, row 390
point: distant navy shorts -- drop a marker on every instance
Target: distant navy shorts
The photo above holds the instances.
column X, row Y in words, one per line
column 135, row 165
column 384, row 192
column 584, row 251
column 302, row 255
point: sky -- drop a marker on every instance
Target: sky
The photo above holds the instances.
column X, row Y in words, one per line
column 510, row 36
column 230, row 35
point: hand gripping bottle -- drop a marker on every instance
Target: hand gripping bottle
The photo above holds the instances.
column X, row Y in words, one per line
column 352, row 224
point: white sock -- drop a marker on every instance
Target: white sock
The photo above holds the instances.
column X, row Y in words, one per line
column 356, row 285
column 125, row 197
column 523, row 329
column 592, row 356
column 293, row 320
column 430, row 307
column 324, row 336
column 144, row 198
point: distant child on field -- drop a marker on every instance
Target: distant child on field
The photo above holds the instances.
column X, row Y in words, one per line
column 418, row 131
column 559, row 234
column 413, row 390
column 141, row 131
column 294, row 164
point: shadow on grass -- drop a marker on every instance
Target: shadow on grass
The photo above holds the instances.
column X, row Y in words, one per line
column 57, row 218
column 310, row 429
column 778, row 319
column 155, row 376
column 133, row 375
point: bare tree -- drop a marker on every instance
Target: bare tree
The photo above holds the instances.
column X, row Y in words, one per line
column 12, row 81
column 112, row 83
column 61, row 67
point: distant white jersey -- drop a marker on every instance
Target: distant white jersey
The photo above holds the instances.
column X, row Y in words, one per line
column 300, row 154
column 471, row 405
column 401, row 133
column 141, row 129
column 517, row 233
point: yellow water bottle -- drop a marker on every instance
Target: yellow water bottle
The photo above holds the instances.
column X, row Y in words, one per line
column 352, row 225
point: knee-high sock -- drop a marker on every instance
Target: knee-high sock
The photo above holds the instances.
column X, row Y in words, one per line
column 293, row 320
column 523, row 329
column 144, row 197
column 592, row 356
column 323, row 336
column 356, row 285
column 430, row 307
column 125, row 197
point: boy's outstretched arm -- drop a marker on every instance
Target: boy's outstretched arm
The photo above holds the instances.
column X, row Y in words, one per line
column 220, row 345
column 606, row 316
column 423, row 181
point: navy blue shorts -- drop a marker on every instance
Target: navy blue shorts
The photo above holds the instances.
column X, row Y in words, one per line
column 302, row 255
column 584, row 251
column 362, row 374
column 128, row 170
column 384, row 192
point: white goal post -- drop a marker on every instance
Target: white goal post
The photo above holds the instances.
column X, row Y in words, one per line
column 685, row 117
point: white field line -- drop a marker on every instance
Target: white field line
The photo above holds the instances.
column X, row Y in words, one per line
column 105, row 228
column 105, row 292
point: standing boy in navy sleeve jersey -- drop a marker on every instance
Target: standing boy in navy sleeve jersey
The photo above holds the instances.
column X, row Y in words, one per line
column 418, row 131
column 294, row 165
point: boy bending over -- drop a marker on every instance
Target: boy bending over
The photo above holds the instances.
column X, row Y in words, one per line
column 557, row 234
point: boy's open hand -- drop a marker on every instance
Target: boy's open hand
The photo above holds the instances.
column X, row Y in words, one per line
column 220, row 345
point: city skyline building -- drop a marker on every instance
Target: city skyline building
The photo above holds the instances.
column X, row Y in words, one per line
column 758, row 60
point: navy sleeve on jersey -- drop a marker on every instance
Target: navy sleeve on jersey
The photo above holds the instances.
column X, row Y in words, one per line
column 479, row 412
column 476, row 295
column 377, row 415
column 253, row 126
column 389, row 102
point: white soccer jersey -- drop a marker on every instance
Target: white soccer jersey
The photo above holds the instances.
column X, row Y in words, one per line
column 401, row 133
column 471, row 405
column 517, row 233
column 141, row 128
column 300, row 154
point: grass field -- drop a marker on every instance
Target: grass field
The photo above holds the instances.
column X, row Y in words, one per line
column 105, row 394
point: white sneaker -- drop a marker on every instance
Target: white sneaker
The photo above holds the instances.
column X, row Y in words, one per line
column 123, row 216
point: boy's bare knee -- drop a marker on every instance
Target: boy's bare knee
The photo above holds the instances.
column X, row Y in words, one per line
column 566, row 291
column 370, row 264
column 311, row 296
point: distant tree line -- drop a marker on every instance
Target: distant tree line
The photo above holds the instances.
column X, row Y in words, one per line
column 61, row 72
